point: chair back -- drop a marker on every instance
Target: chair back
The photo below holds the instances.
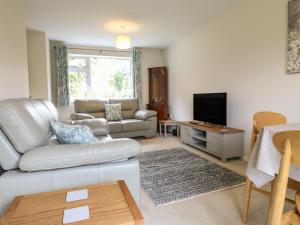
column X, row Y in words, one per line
column 288, row 144
column 289, row 141
column 263, row 119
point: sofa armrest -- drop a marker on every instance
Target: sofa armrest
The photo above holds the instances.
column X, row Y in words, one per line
column 98, row 126
column 144, row 114
column 66, row 156
column 81, row 116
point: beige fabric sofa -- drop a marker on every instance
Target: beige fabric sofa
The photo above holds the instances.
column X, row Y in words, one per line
column 33, row 161
column 135, row 122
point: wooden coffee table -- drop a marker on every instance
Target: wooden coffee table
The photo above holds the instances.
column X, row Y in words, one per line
column 109, row 204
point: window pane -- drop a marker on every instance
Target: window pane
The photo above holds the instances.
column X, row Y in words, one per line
column 76, row 62
column 110, row 78
column 77, row 84
column 100, row 77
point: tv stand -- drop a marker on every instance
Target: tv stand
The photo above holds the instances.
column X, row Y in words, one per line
column 220, row 141
column 205, row 124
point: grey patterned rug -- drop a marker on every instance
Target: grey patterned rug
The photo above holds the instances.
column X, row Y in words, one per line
column 176, row 174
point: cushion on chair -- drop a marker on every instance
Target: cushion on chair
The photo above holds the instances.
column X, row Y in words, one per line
column 115, row 126
column 65, row 156
column 113, row 112
column 135, row 125
column 72, row 134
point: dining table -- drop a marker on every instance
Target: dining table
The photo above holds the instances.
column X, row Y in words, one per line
column 264, row 161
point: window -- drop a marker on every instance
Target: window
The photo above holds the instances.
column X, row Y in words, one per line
column 93, row 76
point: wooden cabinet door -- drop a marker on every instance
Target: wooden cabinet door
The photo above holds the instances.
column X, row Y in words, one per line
column 158, row 85
column 160, row 108
column 184, row 133
column 214, row 144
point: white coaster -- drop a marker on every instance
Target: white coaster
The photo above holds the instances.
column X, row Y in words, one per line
column 77, row 195
column 76, row 214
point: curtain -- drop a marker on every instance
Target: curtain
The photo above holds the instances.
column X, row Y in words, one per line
column 62, row 80
column 137, row 77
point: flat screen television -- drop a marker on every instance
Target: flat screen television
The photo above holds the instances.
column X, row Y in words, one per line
column 211, row 108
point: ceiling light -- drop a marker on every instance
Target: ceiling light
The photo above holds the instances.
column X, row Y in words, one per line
column 123, row 42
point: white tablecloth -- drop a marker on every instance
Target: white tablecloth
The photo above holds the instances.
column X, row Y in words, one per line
column 265, row 159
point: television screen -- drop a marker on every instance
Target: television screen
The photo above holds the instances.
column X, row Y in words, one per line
column 211, row 108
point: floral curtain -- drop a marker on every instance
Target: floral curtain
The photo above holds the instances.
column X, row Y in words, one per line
column 63, row 95
column 137, row 77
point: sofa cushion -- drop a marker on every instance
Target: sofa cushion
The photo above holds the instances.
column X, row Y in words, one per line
column 72, row 134
column 135, row 125
column 129, row 107
column 25, row 122
column 115, row 126
column 144, row 114
column 113, row 112
column 104, row 138
column 99, row 126
column 81, row 116
column 98, row 114
column 9, row 157
column 65, row 156
column 90, row 106
column 53, row 140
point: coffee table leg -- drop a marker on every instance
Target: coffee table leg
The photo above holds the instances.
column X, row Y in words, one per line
column 178, row 127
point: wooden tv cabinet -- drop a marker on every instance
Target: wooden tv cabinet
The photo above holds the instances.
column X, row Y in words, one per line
column 223, row 142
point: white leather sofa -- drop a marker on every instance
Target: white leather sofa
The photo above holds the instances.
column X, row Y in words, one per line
column 33, row 161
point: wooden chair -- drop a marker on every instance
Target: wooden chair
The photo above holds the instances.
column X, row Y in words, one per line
column 288, row 144
column 260, row 120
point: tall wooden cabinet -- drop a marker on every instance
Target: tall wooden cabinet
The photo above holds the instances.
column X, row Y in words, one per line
column 158, row 91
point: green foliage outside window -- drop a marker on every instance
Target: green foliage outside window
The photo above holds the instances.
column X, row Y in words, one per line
column 92, row 77
column 77, row 81
column 118, row 80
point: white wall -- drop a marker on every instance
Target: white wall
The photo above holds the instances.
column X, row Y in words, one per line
column 13, row 58
column 242, row 53
column 150, row 58
column 38, row 64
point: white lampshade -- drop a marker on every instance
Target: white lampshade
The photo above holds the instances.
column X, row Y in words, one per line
column 123, row 42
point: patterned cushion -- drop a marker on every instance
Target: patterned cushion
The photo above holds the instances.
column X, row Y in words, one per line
column 113, row 112
column 72, row 134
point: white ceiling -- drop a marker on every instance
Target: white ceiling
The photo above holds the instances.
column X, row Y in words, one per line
column 160, row 22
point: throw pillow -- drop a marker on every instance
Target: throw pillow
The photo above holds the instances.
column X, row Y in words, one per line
column 113, row 112
column 72, row 134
